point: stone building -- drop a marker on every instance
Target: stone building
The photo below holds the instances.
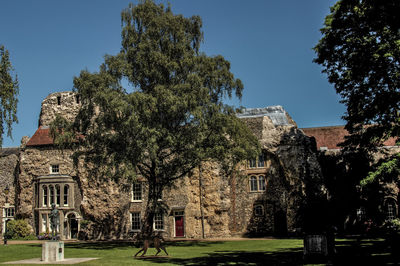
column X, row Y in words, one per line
column 263, row 198
column 342, row 171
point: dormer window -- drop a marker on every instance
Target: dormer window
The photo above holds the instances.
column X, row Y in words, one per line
column 55, row 169
column 261, row 161
column 258, row 162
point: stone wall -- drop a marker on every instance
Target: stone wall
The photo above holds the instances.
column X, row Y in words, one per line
column 65, row 104
column 226, row 201
column 293, row 170
column 8, row 176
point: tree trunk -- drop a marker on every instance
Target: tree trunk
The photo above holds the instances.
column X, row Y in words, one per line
column 147, row 229
column 154, row 194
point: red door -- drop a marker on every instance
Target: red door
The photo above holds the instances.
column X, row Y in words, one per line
column 179, row 228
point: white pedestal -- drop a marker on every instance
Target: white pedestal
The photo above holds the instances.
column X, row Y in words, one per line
column 53, row 251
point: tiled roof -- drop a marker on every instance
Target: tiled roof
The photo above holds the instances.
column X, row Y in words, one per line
column 330, row 137
column 41, row 137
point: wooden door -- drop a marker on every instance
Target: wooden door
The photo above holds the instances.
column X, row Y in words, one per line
column 179, row 226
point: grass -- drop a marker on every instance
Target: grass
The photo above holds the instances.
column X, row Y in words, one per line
column 245, row 252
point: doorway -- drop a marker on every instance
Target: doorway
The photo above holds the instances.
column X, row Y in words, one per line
column 179, row 223
column 72, row 227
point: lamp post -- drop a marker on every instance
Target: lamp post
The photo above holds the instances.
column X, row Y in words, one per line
column 6, row 191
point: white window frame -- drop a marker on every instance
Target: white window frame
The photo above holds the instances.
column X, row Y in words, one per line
column 45, row 223
column 157, row 221
column 137, row 192
column 390, row 210
column 139, row 220
column 45, row 196
column 361, row 213
column 57, row 195
column 51, row 195
column 6, row 217
column 54, row 169
column 9, row 212
column 65, row 195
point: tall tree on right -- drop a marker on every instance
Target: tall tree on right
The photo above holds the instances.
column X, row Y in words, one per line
column 360, row 53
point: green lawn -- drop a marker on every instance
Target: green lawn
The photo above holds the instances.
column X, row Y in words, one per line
column 246, row 252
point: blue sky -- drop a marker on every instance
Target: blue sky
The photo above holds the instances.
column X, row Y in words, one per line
column 269, row 44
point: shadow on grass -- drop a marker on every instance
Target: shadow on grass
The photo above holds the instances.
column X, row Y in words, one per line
column 348, row 252
column 365, row 252
column 289, row 257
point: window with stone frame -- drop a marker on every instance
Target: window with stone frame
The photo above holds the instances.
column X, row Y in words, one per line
column 361, row 214
column 9, row 212
column 253, row 183
column 258, row 210
column 45, row 224
column 54, row 169
column 58, row 195
column 45, row 196
column 51, row 190
column 391, row 209
column 66, row 191
column 158, row 221
column 136, row 223
column 259, row 162
column 257, row 183
column 252, row 163
column 137, row 191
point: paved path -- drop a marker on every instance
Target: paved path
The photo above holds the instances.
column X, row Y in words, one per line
column 38, row 261
column 18, row 242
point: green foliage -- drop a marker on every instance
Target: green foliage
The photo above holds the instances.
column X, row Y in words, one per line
column 171, row 116
column 19, row 229
column 360, row 53
column 392, row 226
column 84, row 224
column 9, row 90
column 387, row 171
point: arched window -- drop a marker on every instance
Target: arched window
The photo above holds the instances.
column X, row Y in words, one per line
column 257, row 183
column 261, row 183
column 253, row 183
column 58, row 195
column 258, row 210
column 51, row 188
column 45, row 196
column 66, row 191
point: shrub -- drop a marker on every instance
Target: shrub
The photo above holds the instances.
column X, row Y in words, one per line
column 392, row 226
column 18, row 229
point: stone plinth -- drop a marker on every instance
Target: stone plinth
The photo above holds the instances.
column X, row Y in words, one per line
column 53, row 251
